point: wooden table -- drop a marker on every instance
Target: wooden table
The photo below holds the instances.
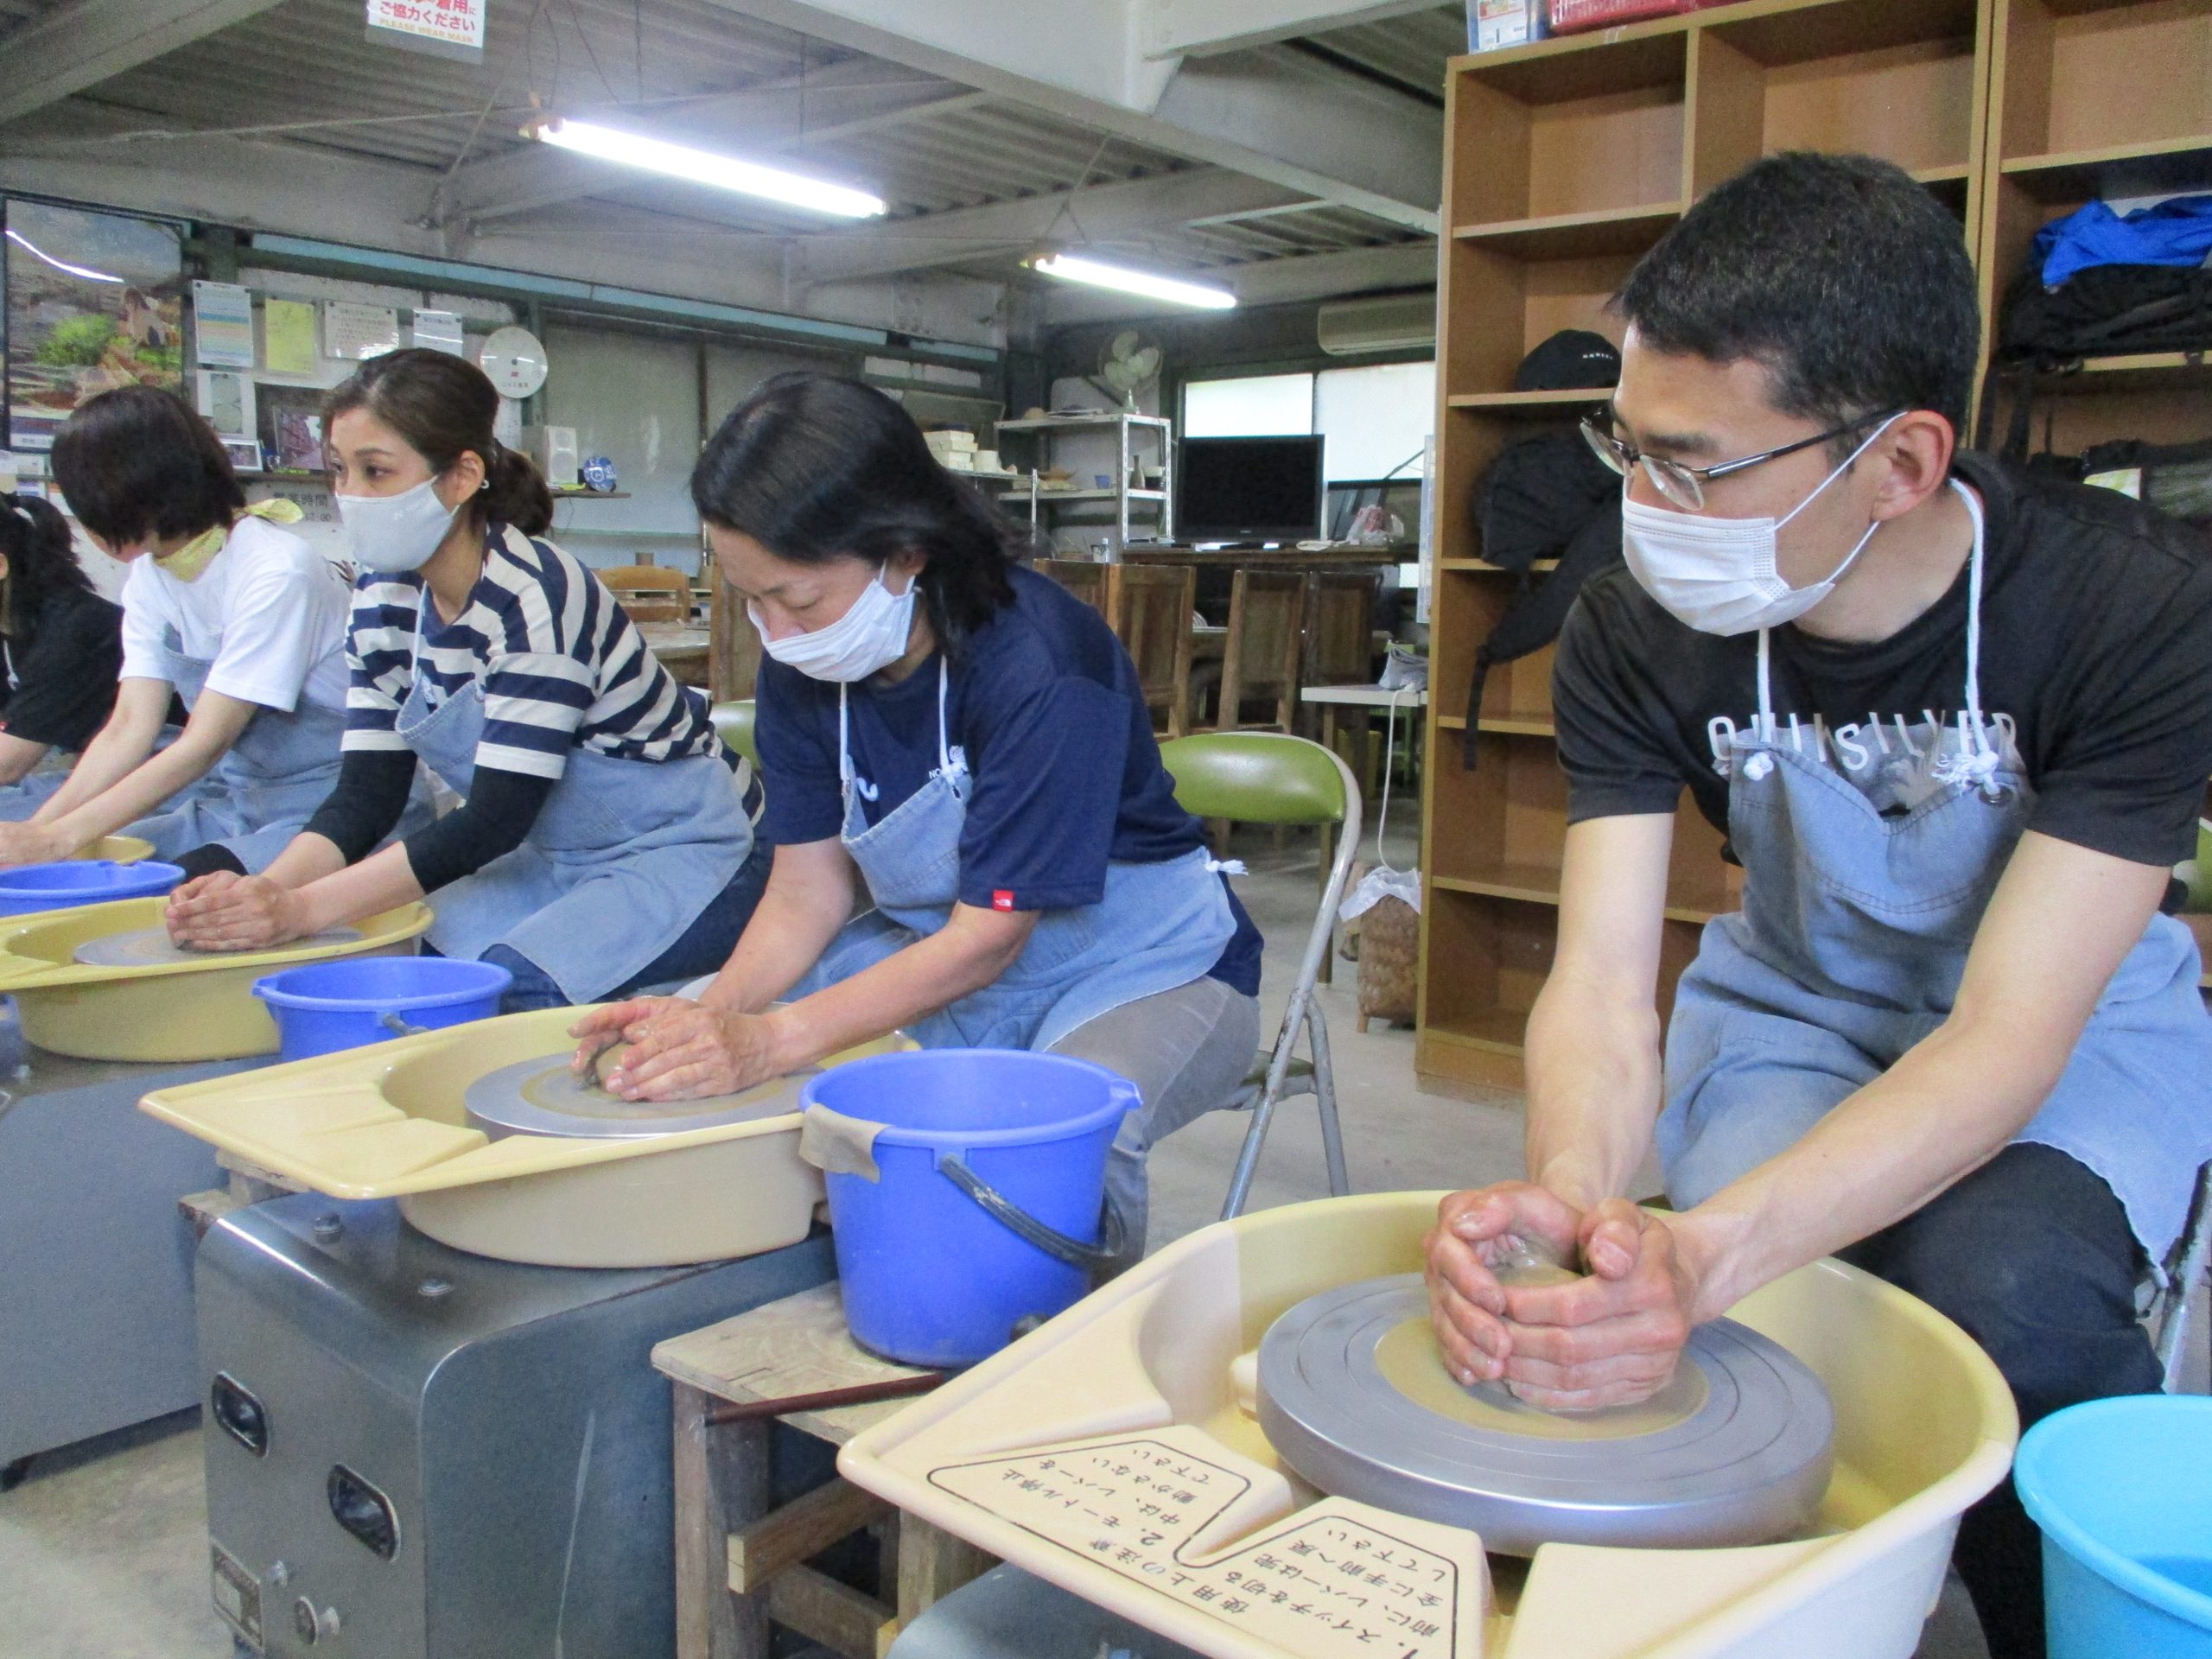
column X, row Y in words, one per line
column 681, row 648
column 739, row 1564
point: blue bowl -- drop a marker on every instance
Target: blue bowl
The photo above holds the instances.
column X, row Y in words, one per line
column 327, row 1006
column 81, row 881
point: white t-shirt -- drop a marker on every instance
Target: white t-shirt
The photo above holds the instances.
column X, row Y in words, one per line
column 270, row 611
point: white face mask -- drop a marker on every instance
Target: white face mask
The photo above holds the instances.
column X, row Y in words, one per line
column 1717, row 575
column 869, row 636
column 391, row 533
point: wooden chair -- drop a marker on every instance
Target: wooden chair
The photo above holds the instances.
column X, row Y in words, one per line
column 1339, row 627
column 1090, row 582
column 1149, row 609
column 649, row 593
column 1267, row 611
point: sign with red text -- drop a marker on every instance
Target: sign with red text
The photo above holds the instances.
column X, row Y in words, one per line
column 447, row 29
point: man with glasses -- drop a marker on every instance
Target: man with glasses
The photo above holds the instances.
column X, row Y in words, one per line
column 1957, row 726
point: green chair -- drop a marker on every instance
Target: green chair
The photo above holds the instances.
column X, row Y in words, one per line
column 1269, row 778
column 735, row 721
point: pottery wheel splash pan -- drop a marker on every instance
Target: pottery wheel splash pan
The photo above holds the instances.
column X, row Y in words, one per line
column 491, row 1145
column 102, row 982
column 1354, row 1395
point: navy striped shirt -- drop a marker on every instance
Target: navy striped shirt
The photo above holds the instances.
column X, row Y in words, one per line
column 560, row 662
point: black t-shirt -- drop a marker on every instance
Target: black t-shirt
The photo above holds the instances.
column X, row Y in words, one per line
column 2096, row 640
column 59, row 686
column 1044, row 704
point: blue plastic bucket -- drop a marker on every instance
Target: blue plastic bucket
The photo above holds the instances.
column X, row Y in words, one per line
column 2119, row 1489
column 985, row 1213
column 81, row 881
column 327, row 1006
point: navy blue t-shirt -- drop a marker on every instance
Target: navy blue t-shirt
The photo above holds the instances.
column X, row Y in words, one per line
column 1066, row 776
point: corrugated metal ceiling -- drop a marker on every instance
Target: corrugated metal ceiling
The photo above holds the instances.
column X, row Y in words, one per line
column 304, row 67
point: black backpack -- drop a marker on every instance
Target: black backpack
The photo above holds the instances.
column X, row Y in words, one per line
column 2101, row 311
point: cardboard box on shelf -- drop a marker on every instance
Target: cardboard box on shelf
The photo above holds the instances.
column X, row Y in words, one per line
column 1570, row 16
column 1494, row 23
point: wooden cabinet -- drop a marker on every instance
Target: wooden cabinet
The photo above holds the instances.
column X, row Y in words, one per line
column 1565, row 161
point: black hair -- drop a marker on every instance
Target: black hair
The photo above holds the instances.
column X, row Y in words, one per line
column 444, row 407
column 41, row 561
column 137, row 464
column 814, row 466
column 1845, row 279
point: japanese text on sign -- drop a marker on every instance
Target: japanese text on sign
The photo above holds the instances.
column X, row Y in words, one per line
column 1321, row 1583
column 457, row 23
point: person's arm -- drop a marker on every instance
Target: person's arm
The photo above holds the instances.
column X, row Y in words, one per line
column 60, row 829
column 142, row 709
column 19, row 757
column 2060, row 922
column 1594, row 1068
column 808, row 898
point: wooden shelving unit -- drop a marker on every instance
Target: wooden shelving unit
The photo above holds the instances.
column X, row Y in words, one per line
column 1565, row 161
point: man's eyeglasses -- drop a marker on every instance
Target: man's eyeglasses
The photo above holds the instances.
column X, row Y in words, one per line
column 1685, row 486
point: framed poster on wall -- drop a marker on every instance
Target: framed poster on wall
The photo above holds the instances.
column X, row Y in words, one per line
column 94, row 301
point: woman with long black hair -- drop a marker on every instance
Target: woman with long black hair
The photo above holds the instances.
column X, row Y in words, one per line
column 607, row 841
column 958, row 742
column 61, row 655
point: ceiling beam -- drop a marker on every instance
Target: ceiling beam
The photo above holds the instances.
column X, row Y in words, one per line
column 1276, row 116
column 93, row 40
column 1104, row 213
column 1170, row 29
column 842, row 101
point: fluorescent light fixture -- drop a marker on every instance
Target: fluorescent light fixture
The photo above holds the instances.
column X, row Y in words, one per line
column 22, row 241
column 704, row 167
column 1070, row 267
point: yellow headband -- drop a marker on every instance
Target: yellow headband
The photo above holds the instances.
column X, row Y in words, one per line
column 190, row 562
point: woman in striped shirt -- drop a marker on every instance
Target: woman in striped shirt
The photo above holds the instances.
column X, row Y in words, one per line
column 606, row 841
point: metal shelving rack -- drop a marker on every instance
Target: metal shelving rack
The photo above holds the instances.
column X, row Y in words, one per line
column 1126, row 426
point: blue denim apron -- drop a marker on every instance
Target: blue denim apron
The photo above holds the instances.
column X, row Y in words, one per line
column 1159, row 925
column 1853, row 940
column 262, row 793
column 623, row 856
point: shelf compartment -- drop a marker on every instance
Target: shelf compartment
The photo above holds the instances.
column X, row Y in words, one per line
column 1566, row 236
column 1531, row 406
column 2141, row 372
column 1501, row 827
column 1540, row 295
column 1484, row 566
column 1886, row 78
column 2093, row 77
column 1579, row 130
column 2069, row 177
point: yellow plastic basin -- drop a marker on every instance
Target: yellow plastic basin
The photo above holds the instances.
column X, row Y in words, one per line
column 204, row 1009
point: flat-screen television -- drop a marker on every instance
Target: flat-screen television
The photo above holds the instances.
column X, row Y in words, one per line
column 1247, row 489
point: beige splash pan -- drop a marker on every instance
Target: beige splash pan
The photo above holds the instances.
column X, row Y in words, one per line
column 388, row 1121
column 204, row 1009
column 1108, row 1452
column 118, row 849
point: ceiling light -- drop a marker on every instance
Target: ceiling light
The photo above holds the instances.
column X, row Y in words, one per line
column 1070, row 267
column 90, row 275
column 704, row 167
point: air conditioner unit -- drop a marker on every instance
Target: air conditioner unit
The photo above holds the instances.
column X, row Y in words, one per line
column 1394, row 322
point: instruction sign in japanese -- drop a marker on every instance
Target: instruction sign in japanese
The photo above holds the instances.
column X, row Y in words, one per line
column 446, row 28
column 1330, row 1582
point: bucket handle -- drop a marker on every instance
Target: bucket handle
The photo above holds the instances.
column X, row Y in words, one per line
column 1025, row 1226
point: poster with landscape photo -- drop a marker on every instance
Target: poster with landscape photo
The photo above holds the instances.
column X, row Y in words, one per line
column 94, row 301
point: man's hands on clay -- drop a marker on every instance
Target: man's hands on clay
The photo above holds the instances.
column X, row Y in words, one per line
column 1610, row 1339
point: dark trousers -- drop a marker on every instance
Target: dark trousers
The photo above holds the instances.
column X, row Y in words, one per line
column 2032, row 1256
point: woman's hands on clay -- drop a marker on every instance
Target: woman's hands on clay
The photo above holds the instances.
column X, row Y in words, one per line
column 229, row 912
column 677, row 1049
column 1612, row 1338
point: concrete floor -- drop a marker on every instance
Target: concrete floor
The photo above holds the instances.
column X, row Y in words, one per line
column 103, row 1550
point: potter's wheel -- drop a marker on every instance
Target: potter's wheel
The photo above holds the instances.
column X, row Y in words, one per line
column 542, row 1095
column 1354, row 1395
column 151, row 947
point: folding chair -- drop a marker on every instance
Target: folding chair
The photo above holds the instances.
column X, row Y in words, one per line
column 1269, row 778
column 734, row 720
column 2168, row 1315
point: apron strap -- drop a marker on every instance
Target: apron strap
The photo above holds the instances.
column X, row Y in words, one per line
column 944, row 692
column 844, row 743
column 1765, row 732
column 1976, row 762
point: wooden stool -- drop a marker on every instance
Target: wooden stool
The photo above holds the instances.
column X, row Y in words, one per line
column 739, row 1564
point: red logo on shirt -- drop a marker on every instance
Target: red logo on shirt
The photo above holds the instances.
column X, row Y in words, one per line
column 1001, row 898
